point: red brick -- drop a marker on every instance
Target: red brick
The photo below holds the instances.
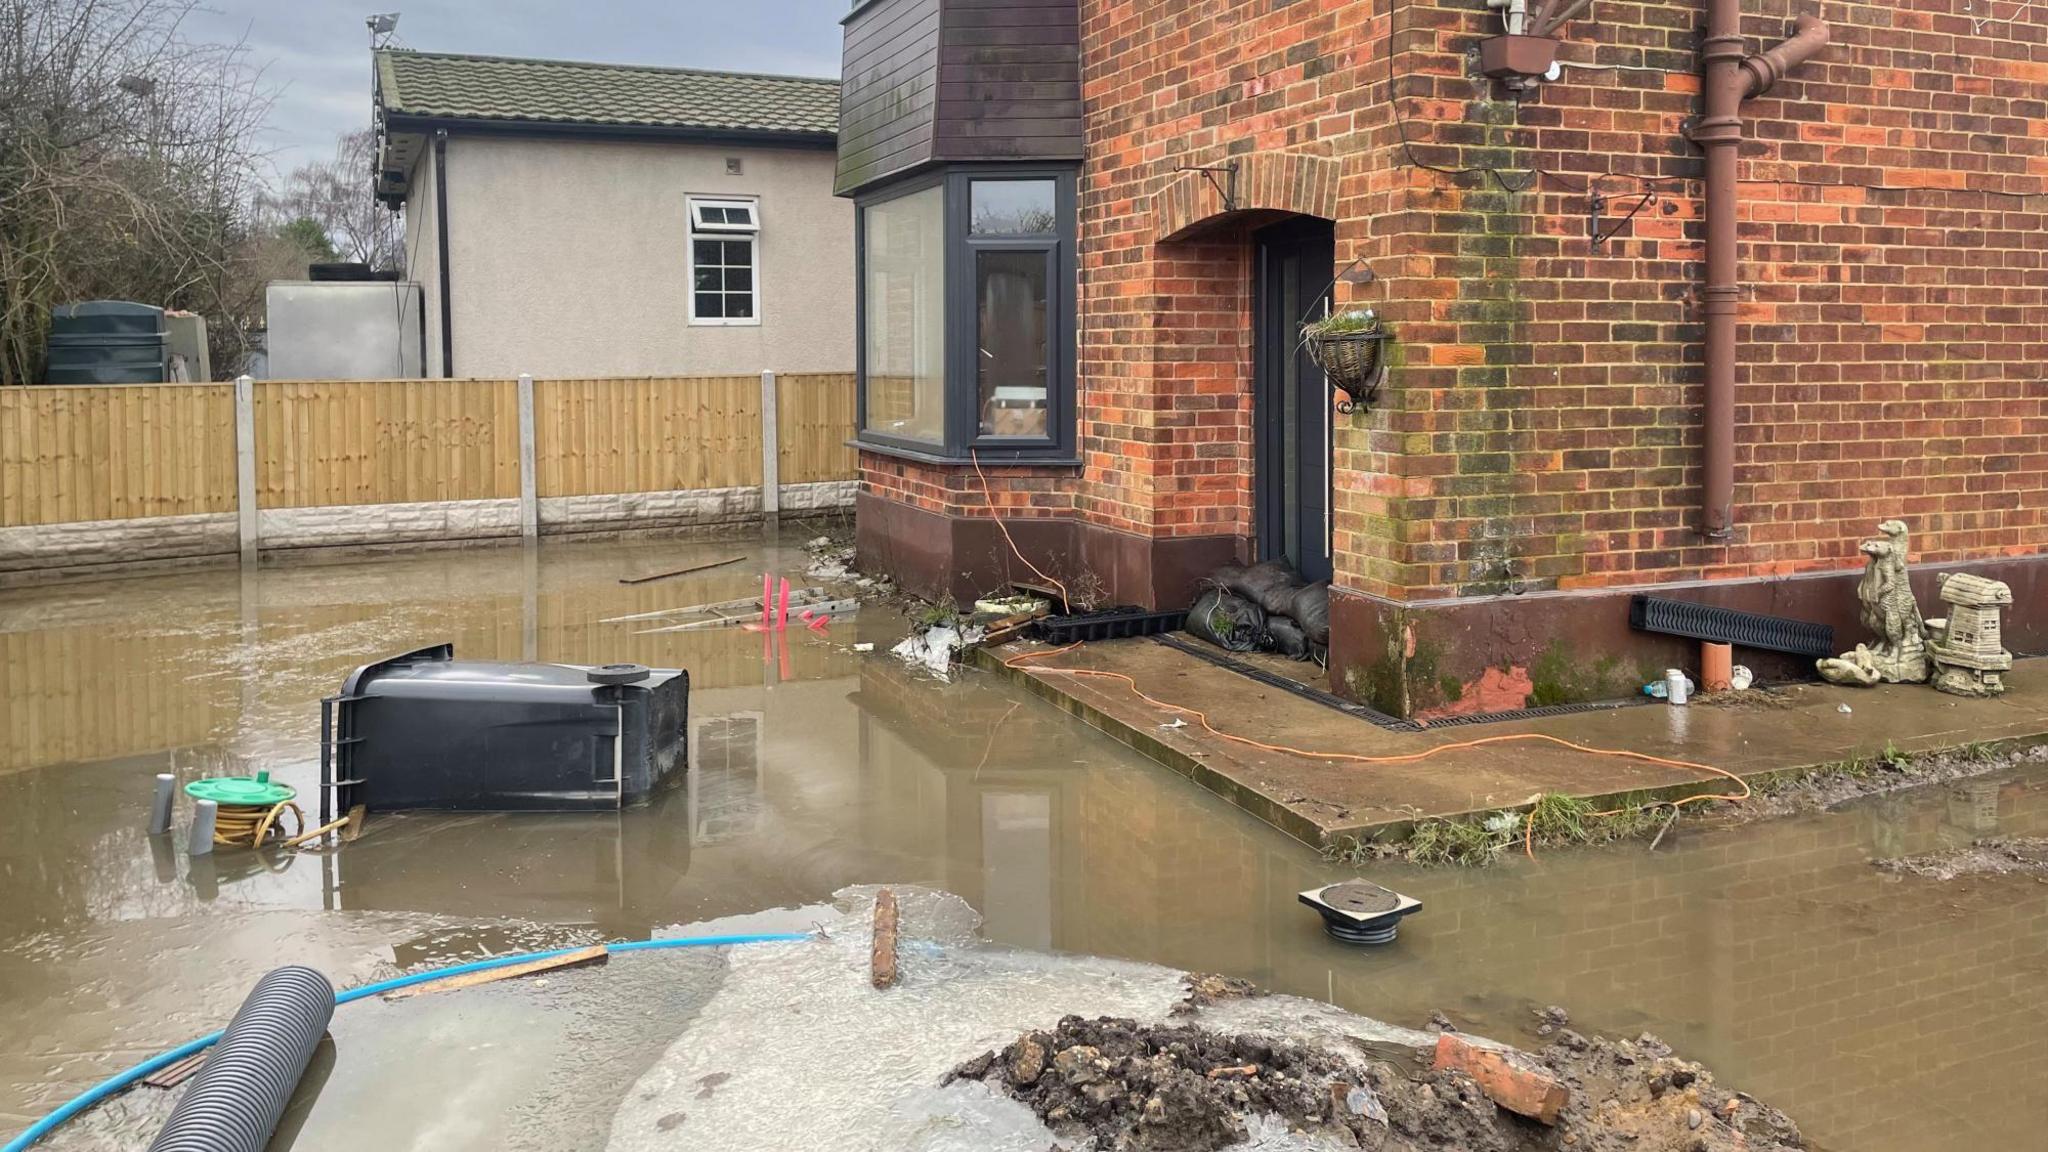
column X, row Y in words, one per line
column 1523, row 1091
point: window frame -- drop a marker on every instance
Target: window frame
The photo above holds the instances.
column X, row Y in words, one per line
column 749, row 234
column 899, row 445
column 698, row 204
column 962, row 420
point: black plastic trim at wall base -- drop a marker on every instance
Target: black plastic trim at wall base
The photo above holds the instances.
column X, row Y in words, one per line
column 1373, row 715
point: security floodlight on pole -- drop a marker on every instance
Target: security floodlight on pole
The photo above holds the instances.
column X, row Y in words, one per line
column 383, row 23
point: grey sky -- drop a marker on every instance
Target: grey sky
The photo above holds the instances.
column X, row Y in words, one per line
column 317, row 51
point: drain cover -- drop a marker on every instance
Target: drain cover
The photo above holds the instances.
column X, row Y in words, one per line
column 1360, row 898
column 1359, row 911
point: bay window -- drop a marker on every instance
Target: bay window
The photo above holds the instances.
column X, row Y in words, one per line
column 966, row 314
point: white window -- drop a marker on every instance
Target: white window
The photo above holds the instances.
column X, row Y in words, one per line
column 724, row 261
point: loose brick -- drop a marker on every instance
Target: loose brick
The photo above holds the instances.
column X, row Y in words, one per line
column 1520, row 1090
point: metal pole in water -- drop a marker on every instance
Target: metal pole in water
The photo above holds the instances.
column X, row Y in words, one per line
column 160, row 804
column 201, row 842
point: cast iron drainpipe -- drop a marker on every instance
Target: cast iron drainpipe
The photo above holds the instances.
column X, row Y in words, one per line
column 1727, row 78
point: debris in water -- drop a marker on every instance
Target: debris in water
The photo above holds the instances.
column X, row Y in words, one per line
column 1844, row 708
column 832, row 563
column 1207, row 989
column 1012, row 606
column 932, row 648
column 1996, row 856
column 706, row 567
column 864, row 646
column 1885, row 772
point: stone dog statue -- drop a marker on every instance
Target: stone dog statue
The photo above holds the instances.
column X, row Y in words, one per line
column 1889, row 609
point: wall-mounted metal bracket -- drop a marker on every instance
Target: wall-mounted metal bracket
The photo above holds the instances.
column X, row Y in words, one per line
column 1226, row 188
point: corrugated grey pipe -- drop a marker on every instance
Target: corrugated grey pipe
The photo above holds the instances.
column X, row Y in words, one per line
column 234, row 1102
column 1727, row 78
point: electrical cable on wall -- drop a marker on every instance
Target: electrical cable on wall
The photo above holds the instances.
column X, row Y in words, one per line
column 1535, row 173
column 398, row 295
column 1591, row 185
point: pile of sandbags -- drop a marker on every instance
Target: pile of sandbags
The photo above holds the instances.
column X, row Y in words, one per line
column 1264, row 608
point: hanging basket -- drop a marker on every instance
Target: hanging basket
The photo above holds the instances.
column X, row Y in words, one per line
column 1354, row 360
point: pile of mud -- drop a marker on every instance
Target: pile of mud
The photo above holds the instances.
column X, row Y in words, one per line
column 1121, row 1084
column 1139, row 1086
column 1997, row 856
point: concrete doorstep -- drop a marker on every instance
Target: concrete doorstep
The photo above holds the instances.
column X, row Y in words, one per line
column 1299, row 783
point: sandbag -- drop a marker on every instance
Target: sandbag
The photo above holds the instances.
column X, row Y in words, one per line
column 1310, row 608
column 1284, row 636
column 1271, row 584
column 1227, row 621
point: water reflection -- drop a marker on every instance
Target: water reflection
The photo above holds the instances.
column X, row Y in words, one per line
column 1773, row 952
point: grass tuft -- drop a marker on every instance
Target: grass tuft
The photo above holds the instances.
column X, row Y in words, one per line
column 1455, row 842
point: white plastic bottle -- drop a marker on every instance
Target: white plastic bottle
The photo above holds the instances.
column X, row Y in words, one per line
column 1677, row 689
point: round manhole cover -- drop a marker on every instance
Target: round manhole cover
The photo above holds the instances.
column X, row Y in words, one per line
column 1360, row 898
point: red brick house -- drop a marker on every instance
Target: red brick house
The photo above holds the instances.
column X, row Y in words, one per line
column 1088, row 233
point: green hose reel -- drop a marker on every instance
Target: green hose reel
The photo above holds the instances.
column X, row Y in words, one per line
column 248, row 791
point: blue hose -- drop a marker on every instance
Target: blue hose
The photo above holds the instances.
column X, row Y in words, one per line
column 154, row 1064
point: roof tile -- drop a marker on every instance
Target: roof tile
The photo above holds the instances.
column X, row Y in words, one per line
column 444, row 85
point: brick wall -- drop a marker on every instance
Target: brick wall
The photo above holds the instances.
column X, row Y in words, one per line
column 955, row 489
column 1541, row 429
column 1891, row 333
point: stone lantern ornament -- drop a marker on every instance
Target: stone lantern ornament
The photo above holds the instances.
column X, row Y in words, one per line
column 1969, row 659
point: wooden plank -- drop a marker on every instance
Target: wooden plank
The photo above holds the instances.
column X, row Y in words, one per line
column 595, row 954
column 882, row 949
column 173, row 1074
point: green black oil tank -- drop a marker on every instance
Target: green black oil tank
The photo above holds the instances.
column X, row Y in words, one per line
column 108, row 342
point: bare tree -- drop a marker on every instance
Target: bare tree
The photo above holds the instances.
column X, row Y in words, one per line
column 128, row 169
column 339, row 196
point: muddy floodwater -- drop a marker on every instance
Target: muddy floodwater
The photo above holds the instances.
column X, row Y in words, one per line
column 1884, row 1013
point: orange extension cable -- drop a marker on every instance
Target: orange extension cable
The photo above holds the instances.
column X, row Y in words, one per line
column 988, row 497
column 1528, row 845
column 1019, row 661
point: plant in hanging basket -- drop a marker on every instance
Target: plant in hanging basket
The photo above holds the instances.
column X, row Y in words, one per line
column 1349, row 348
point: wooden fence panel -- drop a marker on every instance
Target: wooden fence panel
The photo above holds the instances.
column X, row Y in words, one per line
column 321, row 443
column 115, row 452
column 815, row 419
column 649, row 434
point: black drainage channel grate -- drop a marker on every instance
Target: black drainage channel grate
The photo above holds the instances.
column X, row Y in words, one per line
column 1373, row 715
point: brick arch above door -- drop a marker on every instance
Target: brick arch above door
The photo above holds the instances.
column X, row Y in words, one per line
column 1264, row 186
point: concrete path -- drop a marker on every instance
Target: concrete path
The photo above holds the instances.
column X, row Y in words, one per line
column 1318, row 800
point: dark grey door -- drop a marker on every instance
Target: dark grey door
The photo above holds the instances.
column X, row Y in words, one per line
column 1291, row 407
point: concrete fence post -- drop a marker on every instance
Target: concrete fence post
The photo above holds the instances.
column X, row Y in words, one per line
column 771, row 451
column 529, row 486
column 245, row 466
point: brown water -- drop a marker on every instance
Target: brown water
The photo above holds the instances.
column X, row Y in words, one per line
column 1883, row 1013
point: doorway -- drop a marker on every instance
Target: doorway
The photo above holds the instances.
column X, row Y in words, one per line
column 1291, row 407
